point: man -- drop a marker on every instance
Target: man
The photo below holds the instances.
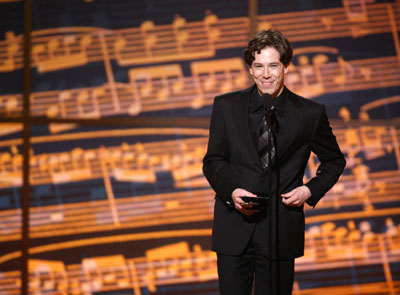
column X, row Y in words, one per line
column 256, row 247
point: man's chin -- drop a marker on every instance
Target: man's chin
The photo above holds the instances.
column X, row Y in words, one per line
column 267, row 91
column 273, row 92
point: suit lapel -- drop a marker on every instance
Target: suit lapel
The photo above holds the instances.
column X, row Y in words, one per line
column 243, row 100
column 292, row 118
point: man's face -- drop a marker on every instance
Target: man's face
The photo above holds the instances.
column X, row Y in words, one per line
column 268, row 71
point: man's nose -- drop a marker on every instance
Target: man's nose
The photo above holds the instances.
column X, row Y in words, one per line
column 266, row 72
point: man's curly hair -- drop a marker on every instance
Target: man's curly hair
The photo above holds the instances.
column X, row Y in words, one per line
column 269, row 38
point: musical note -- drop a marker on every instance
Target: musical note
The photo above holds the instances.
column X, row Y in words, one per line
column 149, row 37
column 368, row 238
column 223, row 74
column 12, row 105
column 128, row 53
column 160, row 81
column 371, row 138
column 47, row 276
column 327, row 22
column 107, row 272
column 345, row 114
column 311, row 87
column 87, row 102
column 309, row 77
column 7, row 59
column 363, row 185
column 10, row 175
column 346, row 72
column 392, row 235
column 213, row 33
column 180, row 31
column 61, row 52
column 353, row 145
column 218, row 76
column 170, row 261
column 62, row 175
column 356, row 10
column 190, row 167
column 119, row 46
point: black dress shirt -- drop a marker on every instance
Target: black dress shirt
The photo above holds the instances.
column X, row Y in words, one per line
column 257, row 111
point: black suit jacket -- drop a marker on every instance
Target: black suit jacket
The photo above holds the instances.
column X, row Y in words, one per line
column 232, row 162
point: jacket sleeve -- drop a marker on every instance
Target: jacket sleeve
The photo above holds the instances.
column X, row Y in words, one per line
column 332, row 161
column 216, row 166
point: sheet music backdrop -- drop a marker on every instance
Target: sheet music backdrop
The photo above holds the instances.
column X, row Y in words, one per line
column 118, row 203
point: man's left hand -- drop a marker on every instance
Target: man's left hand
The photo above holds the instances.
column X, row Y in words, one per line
column 297, row 196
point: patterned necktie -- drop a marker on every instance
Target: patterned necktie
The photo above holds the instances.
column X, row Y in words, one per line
column 264, row 133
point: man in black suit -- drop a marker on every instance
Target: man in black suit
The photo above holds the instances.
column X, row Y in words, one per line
column 256, row 247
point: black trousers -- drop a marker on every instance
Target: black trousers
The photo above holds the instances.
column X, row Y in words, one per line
column 238, row 274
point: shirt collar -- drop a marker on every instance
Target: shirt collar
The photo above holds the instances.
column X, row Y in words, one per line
column 280, row 101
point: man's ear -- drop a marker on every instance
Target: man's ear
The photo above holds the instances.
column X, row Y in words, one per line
column 251, row 70
column 286, row 68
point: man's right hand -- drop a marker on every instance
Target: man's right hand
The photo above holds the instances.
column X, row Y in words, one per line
column 240, row 205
